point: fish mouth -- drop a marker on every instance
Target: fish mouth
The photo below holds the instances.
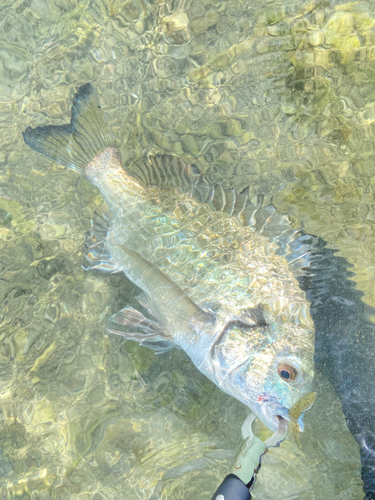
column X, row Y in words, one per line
column 271, row 411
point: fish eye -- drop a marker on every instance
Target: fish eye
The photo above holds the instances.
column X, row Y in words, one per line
column 287, row 371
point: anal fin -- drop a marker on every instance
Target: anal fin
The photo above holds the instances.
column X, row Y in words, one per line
column 97, row 255
column 133, row 325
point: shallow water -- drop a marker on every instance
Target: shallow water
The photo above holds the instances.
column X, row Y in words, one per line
column 277, row 96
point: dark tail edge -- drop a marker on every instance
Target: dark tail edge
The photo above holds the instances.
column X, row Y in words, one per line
column 74, row 144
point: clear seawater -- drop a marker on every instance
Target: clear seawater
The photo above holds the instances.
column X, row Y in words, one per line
column 277, row 96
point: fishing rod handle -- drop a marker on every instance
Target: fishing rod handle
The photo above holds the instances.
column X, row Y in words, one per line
column 232, row 488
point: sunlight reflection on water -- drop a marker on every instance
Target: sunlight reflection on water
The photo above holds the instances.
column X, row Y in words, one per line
column 275, row 96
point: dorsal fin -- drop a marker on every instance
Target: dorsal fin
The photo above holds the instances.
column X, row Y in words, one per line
column 170, row 172
column 167, row 172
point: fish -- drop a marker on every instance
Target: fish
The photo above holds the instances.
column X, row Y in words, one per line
column 213, row 265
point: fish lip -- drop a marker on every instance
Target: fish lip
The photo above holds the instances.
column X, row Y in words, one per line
column 271, row 411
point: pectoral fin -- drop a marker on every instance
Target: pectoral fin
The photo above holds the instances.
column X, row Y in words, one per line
column 165, row 301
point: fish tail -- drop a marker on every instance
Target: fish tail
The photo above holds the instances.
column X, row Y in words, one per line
column 74, row 144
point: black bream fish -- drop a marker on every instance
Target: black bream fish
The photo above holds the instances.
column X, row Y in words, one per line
column 214, row 279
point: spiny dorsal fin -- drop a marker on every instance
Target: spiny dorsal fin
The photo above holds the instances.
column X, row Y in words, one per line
column 170, row 172
column 167, row 172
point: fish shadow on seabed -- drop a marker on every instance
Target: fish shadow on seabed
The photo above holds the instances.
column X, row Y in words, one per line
column 345, row 345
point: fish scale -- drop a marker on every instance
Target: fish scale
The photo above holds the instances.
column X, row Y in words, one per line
column 216, row 243
column 180, row 255
column 211, row 265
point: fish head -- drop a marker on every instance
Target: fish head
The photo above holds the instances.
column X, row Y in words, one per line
column 274, row 376
column 280, row 378
column 266, row 364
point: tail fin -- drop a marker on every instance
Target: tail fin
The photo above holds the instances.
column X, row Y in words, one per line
column 75, row 144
